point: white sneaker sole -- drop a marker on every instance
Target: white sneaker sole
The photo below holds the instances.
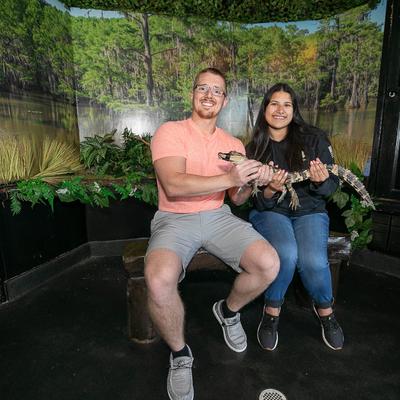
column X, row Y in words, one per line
column 172, row 398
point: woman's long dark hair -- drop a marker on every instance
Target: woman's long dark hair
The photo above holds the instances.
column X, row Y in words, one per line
column 258, row 148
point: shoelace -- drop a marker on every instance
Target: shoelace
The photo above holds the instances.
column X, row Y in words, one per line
column 269, row 323
column 182, row 364
column 231, row 321
column 331, row 323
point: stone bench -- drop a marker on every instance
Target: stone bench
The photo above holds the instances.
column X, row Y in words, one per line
column 140, row 327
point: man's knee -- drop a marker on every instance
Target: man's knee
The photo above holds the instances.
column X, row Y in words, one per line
column 263, row 259
column 161, row 272
column 269, row 263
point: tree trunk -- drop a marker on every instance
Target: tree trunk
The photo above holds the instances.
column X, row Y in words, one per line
column 335, row 66
column 333, row 79
column 250, row 115
column 354, row 101
column 148, row 60
column 143, row 22
column 307, row 95
column 233, row 50
column 317, row 94
column 365, row 98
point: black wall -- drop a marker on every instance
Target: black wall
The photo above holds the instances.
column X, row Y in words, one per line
column 122, row 220
column 384, row 181
column 38, row 235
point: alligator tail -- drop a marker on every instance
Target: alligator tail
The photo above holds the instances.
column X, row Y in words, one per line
column 347, row 176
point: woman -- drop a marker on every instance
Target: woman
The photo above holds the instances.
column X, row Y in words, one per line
column 282, row 138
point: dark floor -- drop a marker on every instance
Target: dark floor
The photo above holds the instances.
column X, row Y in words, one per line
column 68, row 340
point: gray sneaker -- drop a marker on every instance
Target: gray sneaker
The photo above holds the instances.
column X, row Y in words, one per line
column 234, row 335
column 180, row 381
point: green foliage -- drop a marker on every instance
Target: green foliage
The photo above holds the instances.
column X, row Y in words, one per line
column 34, row 191
column 357, row 216
column 112, row 62
column 72, row 190
column 329, row 103
column 359, row 223
column 36, row 48
column 136, row 155
column 244, row 11
column 120, row 173
column 340, row 198
column 112, row 65
column 101, row 155
column 94, row 193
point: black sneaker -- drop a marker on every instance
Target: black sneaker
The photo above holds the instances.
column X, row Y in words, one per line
column 332, row 333
column 267, row 332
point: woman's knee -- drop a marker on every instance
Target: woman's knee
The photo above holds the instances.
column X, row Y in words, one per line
column 313, row 263
column 288, row 258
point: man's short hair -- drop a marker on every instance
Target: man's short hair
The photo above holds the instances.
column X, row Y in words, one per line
column 211, row 70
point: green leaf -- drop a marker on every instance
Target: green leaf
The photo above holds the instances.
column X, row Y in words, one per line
column 340, row 198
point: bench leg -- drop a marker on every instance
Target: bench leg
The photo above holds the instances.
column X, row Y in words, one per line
column 140, row 326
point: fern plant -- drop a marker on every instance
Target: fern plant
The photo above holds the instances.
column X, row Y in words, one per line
column 100, row 155
column 33, row 191
column 114, row 172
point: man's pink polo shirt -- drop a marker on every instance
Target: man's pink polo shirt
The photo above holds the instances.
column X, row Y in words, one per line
column 184, row 139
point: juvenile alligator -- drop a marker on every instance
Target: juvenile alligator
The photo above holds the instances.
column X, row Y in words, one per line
column 300, row 176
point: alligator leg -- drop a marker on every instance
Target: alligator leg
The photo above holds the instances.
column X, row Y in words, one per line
column 294, row 199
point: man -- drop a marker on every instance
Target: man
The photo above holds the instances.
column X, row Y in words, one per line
column 192, row 181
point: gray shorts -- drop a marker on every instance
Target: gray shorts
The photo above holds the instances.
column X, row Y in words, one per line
column 218, row 231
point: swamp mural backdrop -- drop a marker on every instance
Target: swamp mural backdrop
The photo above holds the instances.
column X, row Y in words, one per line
column 70, row 74
column 135, row 70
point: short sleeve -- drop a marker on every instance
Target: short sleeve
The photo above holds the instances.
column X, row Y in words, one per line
column 168, row 141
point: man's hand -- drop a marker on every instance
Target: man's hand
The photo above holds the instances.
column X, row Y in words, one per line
column 245, row 172
column 318, row 171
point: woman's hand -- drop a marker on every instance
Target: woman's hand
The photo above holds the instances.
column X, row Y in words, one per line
column 277, row 182
column 266, row 173
column 318, row 171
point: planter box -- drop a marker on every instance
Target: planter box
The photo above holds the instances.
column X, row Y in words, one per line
column 37, row 235
column 124, row 219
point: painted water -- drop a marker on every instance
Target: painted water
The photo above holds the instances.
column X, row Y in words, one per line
column 37, row 114
column 32, row 113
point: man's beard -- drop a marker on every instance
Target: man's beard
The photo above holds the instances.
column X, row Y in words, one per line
column 207, row 114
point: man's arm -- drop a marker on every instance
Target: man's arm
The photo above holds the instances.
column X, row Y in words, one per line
column 171, row 171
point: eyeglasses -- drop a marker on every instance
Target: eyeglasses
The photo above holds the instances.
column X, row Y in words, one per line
column 215, row 90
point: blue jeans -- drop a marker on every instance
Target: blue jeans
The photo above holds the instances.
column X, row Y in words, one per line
column 301, row 242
